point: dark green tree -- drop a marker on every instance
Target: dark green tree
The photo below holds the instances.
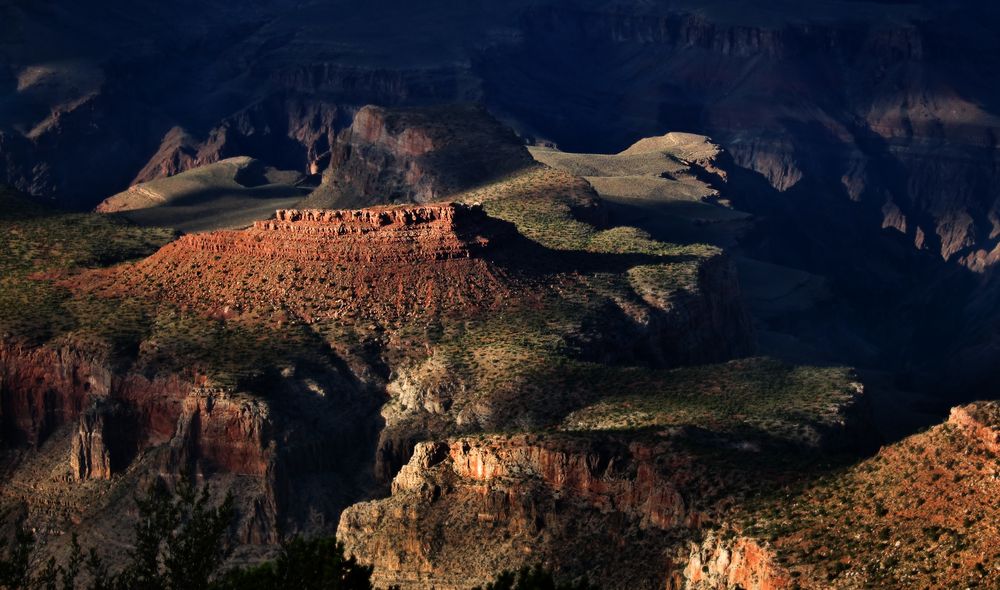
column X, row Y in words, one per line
column 534, row 578
column 313, row 564
column 15, row 562
column 180, row 539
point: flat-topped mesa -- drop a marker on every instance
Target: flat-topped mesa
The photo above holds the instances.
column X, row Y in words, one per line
column 392, row 234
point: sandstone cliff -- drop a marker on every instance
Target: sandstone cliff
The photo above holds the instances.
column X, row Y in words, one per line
column 462, row 509
column 719, row 564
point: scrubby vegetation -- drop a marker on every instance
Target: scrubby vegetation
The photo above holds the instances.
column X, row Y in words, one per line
column 558, row 211
column 534, row 578
column 759, row 393
column 181, row 543
column 917, row 515
column 43, row 248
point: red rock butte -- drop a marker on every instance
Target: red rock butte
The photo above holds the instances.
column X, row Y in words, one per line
column 379, row 234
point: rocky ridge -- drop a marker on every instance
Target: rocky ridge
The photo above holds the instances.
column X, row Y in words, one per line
column 462, row 507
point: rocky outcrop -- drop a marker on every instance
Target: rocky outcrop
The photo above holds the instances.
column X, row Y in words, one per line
column 390, row 234
column 104, row 442
column 223, row 432
column 981, row 421
column 417, row 155
column 44, row 388
column 612, row 479
column 463, row 507
column 906, row 128
column 291, row 455
column 737, row 562
column 90, row 457
column 296, row 133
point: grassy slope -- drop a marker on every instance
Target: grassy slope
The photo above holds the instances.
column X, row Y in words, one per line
column 231, row 193
column 920, row 514
column 759, row 394
column 44, row 246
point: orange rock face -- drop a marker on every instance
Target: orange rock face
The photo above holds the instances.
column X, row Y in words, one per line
column 981, row 420
column 388, row 234
column 90, row 457
column 417, row 155
column 45, row 388
column 624, row 481
column 740, row 563
column 370, row 126
column 220, row 432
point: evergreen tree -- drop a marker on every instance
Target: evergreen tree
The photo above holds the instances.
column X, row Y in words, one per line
column 533, row 578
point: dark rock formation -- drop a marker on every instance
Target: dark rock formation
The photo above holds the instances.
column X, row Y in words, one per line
column 417, row 155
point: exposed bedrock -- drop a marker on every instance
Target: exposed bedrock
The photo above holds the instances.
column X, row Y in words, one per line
column 901, row 130
column 981, row 421
column 273, row 451
column 628, row 513
column 727, row 564
column 464, row 508
column 874, row 101
column 44, row 388
column 417, row 155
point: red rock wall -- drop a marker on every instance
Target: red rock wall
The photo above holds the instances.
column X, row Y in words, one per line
column 738, row 563
column 622, row 480
column 43, row 388
column 385, row 234
column 224, row 433
column 981, row 421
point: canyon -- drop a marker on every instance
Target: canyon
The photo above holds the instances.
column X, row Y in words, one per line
column 243, row 358
column 510, row 376
column 894, row 168
column 905, row 135
column 684, row 295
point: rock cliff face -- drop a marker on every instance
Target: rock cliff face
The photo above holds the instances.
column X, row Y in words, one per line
column 522, row 499
column 903, row 135
column 389, row 235
column 287, row 132
column 105, row 441
column 609, row 479
column 219, row 432
column 124, row 426
column 626, row 512
column 981, row 421
column 417, row 155
column 46, row 388
column 738, row 563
